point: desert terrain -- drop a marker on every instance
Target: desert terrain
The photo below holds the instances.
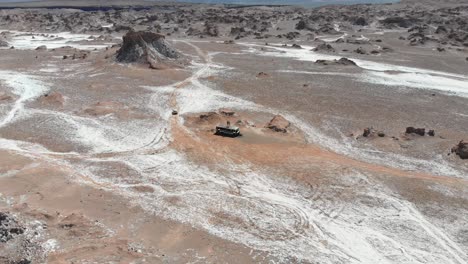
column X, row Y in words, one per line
column 354, row 123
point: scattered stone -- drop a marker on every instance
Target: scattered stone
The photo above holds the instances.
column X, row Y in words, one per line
column 175, row 112
column 262, row 75
column 431, row 133
column 461, row 149
column 278, row 124
column 229, row 41
column 440, row 49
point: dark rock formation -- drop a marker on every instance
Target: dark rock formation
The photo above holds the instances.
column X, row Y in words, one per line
column 399, row 21
column 278, row 124
column 360, row 22
column 417, row 131
column 150, row 48
column 342, row 61
column 461, row 149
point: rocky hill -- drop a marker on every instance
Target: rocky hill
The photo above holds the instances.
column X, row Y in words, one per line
column 148, row 48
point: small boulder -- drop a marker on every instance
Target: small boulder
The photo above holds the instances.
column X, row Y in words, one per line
column 461, row 149
column 42, row 47
column 278, row 124
column 296, row 46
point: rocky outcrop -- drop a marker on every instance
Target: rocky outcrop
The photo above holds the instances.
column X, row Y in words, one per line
column 461, row 149
column 149, row 48
column 342, row 61
column 211, row 30
column 304, row 25
column 278, row 124
column 399, row 21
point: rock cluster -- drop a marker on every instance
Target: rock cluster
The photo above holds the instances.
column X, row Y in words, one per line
column 9, row 228
column 278, row 124
column 370, row 132
column 419, row 131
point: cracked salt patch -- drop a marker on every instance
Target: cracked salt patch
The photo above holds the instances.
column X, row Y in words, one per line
column 30, row 40
column 382, row 73
column 26, row 87
column 105, row 135
column 291, row 222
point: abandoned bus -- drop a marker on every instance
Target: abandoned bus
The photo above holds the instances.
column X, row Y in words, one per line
column 228, row 131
